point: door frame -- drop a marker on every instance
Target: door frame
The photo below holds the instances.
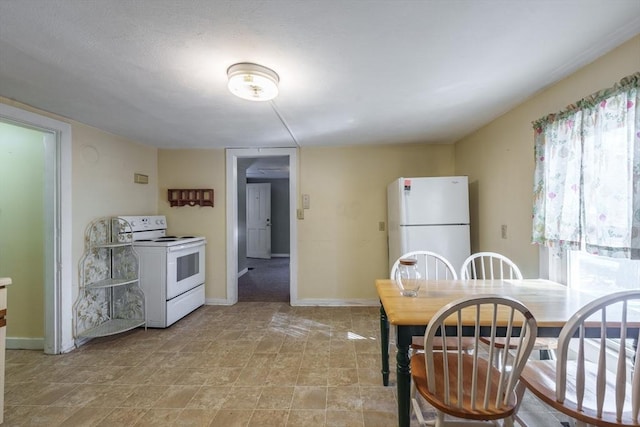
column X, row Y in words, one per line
column 232, row 156
column 58, row 293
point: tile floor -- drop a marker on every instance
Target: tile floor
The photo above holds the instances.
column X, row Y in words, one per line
column 251, row 364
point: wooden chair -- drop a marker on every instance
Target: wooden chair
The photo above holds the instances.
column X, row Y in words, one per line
column 582, row 389
column 432, row 266
column 491, row 265
column 468, row 386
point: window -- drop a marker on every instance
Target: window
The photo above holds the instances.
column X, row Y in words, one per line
column 587, row 187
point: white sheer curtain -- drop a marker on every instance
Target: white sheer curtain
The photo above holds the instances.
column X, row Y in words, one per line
column 587, row 176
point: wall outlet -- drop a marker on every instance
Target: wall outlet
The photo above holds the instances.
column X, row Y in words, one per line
column 503, row 231
column 381, row 226
column 300, row 213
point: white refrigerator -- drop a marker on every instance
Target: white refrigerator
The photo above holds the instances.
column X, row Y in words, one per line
column 430, row 214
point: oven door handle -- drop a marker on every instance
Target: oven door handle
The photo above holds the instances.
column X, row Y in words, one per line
column 186, row 246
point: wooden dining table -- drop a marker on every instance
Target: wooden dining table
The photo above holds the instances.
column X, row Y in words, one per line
column 552, row 304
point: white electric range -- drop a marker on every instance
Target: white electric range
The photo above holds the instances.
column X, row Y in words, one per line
column 172, row 270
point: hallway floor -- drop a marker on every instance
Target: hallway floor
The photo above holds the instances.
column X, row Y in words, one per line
column 251, row 364
column 266, row 281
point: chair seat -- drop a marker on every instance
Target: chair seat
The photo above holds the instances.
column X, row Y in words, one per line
column 437, row 400
column 540, row 378
column 540, row 343
column 468, row 343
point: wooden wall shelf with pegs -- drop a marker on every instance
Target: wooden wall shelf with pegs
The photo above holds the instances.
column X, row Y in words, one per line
column 197, row 197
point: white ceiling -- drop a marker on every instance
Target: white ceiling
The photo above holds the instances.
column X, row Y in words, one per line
column 351, row 71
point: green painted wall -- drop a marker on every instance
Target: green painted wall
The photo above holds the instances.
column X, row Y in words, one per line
column 22, row 228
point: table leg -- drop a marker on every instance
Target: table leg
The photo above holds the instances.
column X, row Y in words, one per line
column 403, row 370
column 384, row 345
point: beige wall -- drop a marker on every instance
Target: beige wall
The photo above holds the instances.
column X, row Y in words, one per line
column 103, row 168
column 499, row 158
column 198, row 169
column 341, row 252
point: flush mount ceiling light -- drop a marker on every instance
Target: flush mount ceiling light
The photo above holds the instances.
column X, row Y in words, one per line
column 253, row 82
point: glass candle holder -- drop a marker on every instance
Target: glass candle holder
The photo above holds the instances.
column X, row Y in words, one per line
column 408, row 277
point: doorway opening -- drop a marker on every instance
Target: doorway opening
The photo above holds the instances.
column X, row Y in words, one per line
column 57, row 275
column 238, row 162
column 264, row 272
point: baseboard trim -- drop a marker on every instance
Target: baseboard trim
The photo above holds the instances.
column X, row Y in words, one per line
column 25, row 343
column 217, row 301
column 243, row 272
column 279, row 255
column 311, row 302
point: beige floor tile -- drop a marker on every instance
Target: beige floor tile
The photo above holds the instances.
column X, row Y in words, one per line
column 269, row 418
column 276, row 397
column 286, row 360
column 158, row 417
column 369, row 377
column 87, row 417
column 242, row 398
column 378, row 399
column 195, row 417
column 313, row 376
column 136, row 375
column 122, row 417
column 165, row 376
column 342, row 377
column 221, row 376
column 379, row 419
column 309, row 398
column 232, row 418
column 344, row 398
column 144, row 396
column 368, row 361
column 344, row 419
column 306, row 418
column 343, row 360
column 282, row 376
column 111, row 396
column 197, row 376
column 209, row 397
column 253, row 376
column 79, row 395
column 36, row 415
column 176, row 396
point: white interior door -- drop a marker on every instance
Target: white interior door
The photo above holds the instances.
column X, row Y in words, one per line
column 259, row 220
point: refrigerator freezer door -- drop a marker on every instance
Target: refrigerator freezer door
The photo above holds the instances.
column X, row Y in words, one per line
column 434, row 201
column 450, row 241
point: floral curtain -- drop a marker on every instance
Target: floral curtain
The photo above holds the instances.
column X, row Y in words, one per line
column 587, row 175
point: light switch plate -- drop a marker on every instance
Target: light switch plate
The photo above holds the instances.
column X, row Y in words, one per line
column 306, row 201
column 139, row 178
